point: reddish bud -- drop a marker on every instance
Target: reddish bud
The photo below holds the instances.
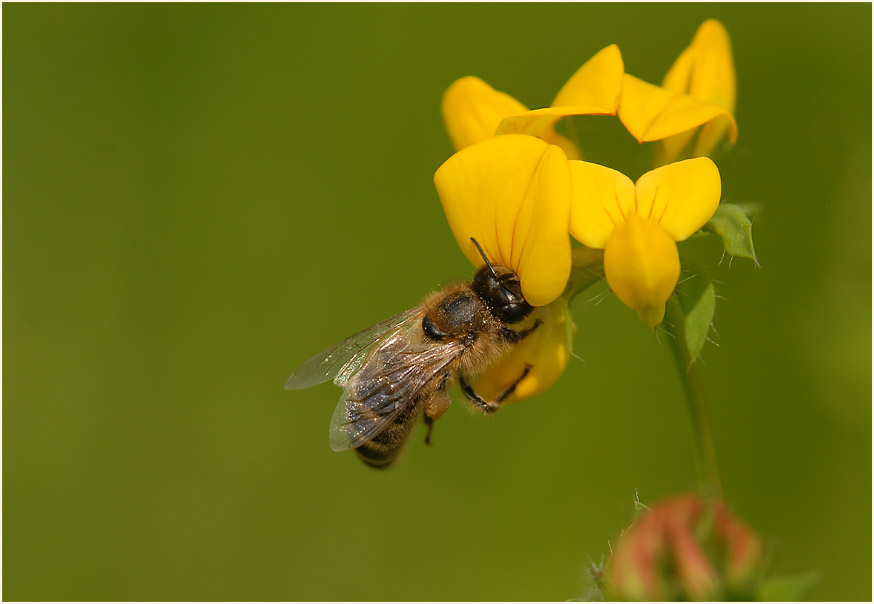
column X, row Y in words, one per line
column 686, row 548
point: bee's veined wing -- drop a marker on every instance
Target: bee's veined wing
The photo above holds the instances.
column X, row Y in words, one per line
column 339, row 361
column 387, row 385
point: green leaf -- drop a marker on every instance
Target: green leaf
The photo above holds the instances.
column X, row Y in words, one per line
column 786, row 589
column 734, row 226
column 697, row 299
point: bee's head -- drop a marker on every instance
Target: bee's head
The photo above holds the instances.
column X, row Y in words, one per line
column 499, row 288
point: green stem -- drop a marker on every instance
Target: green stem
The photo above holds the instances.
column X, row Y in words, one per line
column 708, row 466
column 587, row 268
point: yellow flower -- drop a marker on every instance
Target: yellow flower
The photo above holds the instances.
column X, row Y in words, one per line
column 473, row 111
column 512, row 194
column 638, row 225
column 697, row 97
column 652, row 113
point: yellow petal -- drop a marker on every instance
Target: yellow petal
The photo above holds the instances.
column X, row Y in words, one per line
column 681, row 197
column 704, row 71
column 512, row 193
column 593, row 90
column 652, row 113
column 602, row 198
column 597, row 83
column 546, row 351
column 541, row 241
column 642, row 267
column 570, row 148
column 541, row 123
column 472, row 110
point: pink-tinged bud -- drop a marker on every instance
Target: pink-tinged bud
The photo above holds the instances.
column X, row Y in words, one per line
column 686, row 548
column 744, row 554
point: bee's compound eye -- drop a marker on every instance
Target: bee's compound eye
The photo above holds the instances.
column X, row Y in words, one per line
column 513, row 312
column 431, row 330
column 503, row 295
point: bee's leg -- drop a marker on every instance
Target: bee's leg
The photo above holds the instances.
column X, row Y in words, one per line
column 517, row 336
column 429, row 424
column 491, row 406
column 436, row 407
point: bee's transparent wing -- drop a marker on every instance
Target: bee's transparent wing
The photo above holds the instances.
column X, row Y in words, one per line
column 389, row 382
column 341, row 360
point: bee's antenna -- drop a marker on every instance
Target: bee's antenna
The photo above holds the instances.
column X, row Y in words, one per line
column 483, row 254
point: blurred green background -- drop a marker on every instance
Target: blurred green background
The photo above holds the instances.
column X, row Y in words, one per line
column 196, row 198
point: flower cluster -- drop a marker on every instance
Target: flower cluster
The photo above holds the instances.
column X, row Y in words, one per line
column 522, row 189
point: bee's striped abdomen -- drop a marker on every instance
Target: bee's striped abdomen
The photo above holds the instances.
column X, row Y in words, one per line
column 381, row 450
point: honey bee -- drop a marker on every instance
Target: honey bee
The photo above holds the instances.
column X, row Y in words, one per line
column 397, row 370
